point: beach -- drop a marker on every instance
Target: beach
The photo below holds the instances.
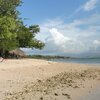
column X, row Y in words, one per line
column 34, row 79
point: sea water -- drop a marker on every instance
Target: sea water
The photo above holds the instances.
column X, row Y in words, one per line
column 95, row 61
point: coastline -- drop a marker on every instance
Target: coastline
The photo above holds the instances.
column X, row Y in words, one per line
column 34, row 79
column 90, row 61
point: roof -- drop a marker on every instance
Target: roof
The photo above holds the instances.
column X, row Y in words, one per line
column 17, row 52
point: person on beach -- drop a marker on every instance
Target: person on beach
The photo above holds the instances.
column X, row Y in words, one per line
column 1, row 59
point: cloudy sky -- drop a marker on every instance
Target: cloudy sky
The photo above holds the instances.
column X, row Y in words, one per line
column 68, row 27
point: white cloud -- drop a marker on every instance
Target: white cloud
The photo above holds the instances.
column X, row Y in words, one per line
column 59, row 39
column 74, row 37
column 63, row 42
column 96, row 44
column 90, row 5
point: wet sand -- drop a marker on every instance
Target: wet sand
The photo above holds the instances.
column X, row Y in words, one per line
column 32, row 79
column 93, row 95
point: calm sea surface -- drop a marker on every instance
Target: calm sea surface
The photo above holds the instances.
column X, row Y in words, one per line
column 79, row 60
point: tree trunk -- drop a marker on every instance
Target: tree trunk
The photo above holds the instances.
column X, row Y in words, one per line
column 4, row 53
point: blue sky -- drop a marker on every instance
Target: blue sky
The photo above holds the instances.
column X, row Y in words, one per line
column 67, row 26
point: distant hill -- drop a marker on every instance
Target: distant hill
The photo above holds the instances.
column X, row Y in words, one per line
column 47, row 57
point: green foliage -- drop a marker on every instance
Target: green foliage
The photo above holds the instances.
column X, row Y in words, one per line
column 25, row 37
column 7, row 33
column 13, row 33
column 8, row 7
column 47, row 57
column 36, row 44
column 34, row 28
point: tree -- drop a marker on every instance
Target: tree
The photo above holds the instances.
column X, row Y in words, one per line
column 13, row 33
column 8, row 7
column 26, row 37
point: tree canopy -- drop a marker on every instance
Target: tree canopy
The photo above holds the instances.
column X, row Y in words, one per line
column 13, row 33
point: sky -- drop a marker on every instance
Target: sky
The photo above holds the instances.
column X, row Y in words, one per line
column 68, row 27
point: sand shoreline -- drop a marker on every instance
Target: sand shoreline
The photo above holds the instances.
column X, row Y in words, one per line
column 33, row 79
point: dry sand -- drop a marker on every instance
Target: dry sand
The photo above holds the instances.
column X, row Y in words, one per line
column 32, row 79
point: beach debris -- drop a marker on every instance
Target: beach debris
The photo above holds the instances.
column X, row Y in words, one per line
column 67, row 95
column 48, row 86
column 41, row 98
column 76, row 86
column 55, row 94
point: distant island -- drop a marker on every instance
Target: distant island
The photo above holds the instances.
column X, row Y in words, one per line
column 57, row 57
column 47, row 57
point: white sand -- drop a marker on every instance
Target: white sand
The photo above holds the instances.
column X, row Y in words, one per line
column 32, row 79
